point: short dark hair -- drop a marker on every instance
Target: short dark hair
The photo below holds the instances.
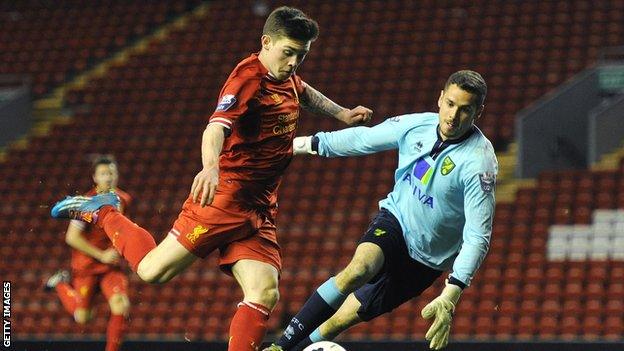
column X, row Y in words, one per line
column 102, row 160
column 291, row 23
column 469, row 81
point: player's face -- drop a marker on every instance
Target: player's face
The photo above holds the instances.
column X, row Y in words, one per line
column 458, row 111
column 105, row 177
column 113, row 168
column 282, row 56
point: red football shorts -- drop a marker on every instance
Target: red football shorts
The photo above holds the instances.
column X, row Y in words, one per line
column 110, row 283
column 238, row 229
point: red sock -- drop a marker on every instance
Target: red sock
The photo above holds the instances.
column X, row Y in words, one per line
column 132, row 241
column 115, row 331
column 248, row 327
column 69, row 297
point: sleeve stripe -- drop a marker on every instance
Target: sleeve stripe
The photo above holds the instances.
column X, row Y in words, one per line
column 224, row 125
column 221, row 119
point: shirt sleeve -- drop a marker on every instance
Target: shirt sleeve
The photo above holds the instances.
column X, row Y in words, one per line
column 236, row 98
column 300, row 85
column 364, row 140
column 479, row 203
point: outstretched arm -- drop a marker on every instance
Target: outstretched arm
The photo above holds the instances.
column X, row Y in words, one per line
column 314, row 101
column 356, row 140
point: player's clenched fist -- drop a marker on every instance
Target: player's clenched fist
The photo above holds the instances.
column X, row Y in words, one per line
column 357, row 115
column 205, row 183
column 109, row 256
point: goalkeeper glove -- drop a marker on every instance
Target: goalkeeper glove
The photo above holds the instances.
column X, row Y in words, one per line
column 441, row 308
column 303, row 145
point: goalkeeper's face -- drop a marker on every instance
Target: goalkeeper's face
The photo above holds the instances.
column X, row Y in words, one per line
column 282, row 55
column 105, row 177
column 458, row 111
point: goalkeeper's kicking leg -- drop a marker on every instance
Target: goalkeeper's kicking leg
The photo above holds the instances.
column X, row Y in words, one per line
column 380, row 277
column 330, row 297
column 367, row 262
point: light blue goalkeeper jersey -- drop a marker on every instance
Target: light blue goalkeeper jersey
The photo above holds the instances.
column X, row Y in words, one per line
column 443, row 194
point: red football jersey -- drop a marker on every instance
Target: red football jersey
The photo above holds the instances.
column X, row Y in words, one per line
column 260, row 114
column 83, row 263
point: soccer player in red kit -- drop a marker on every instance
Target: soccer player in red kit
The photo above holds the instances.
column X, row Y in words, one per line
column 94, row 264
column 232, row 205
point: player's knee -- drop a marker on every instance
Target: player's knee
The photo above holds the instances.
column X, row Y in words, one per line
column 266, row 297
column 151, row 273
column 270, row 297
column 82, row 316
column 357, row 273
column 119, row 304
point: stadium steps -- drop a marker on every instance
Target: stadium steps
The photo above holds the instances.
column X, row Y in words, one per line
column 610, row 161
column 49, row 111
column 507, row 183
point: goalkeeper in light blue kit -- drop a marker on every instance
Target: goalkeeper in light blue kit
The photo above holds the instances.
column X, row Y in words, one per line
column 437, row 218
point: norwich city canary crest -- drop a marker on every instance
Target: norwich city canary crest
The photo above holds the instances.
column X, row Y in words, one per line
column 447, row 166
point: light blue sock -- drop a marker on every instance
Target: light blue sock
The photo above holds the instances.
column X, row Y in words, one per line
column 323, row 303
column 316, row 336
column 330, row 293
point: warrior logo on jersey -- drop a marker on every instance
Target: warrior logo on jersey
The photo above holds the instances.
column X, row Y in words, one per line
column 418, row 146
column 277, row 99
column 488, row 180
column 447, row 166
column 226, row 102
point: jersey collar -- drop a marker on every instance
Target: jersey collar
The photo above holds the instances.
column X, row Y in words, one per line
column 458, row 140
column 440, row 145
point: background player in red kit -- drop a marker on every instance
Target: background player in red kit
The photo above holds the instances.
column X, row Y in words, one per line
column 246, row 147
column 94, row 264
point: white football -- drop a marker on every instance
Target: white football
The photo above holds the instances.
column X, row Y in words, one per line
column 324, row 346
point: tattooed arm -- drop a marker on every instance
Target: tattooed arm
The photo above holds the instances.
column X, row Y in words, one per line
column 314, row 101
